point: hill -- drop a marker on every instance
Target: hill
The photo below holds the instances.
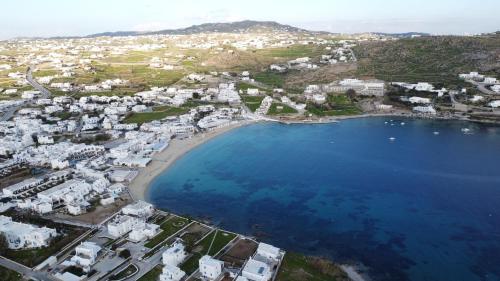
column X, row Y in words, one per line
column 403, row 35
column 433, row 59
column 246, row 26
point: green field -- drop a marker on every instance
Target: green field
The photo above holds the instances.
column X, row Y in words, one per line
column 9, row 275
column 269, row 78
column 145, row 117
column 128, row 271
column 170, row 109
column 337, row 105
column 136, row 74
column 245, row 86
column 45, row 72
column 158, row 113
column 169, row 227
column 273, row 110
column 221, row 240
column 296, row 267
column 252, row 102
column 293, row 52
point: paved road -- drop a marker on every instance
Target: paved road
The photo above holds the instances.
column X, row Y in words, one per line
column 481, row 87
column 29, row 77
column 457, row 105
column 9, row 113
column 26, row 271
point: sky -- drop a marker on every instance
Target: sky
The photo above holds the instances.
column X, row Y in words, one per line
column 45, row 18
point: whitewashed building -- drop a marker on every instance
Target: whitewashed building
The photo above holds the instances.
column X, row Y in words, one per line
column 121, row 225
column 86, row 254
column 257, row 271
column 139, row 209
column 171, row 273
column 174, row 255
column 69, row 191
column 140, row 233
column 269, row 252
column 425, row 109
column 25, row 236
column 210, row 268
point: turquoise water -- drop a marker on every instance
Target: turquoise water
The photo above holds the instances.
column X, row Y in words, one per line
column 424, row 206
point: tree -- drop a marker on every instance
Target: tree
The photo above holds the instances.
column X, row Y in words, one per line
column 351, row 94
column 125, row 254
column 4, row 245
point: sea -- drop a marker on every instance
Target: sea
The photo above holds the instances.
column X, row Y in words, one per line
column 406, row 199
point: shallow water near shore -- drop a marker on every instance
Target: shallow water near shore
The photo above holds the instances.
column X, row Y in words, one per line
column 422, row 206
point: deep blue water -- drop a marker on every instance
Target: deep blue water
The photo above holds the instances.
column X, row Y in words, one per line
column 422, row 207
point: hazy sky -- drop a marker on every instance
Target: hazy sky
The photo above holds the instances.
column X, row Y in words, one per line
column 82, row 17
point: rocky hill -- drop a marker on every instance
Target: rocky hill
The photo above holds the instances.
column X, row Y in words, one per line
column 433, row 58
column 246, row 26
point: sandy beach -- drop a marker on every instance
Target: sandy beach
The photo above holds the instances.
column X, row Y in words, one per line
column 176, row 149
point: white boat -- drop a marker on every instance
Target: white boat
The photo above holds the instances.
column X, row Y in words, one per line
column 402, row 123
column 392, row 138
column 436, row 133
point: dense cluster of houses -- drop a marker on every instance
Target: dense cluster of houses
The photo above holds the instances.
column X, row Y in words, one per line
column 318, row 93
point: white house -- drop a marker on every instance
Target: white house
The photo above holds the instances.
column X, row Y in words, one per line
column 171, row 273
column 121, row 225
column 476, row 98
column 86, row 254
column 25, row 236
column 69, row 191
column 269, row 252
column 257, row 271
column 42, row 207
column 424, row 87
column 252, row 92
column 490, row 80
column 174, row 255
column 425, row 109
column 21, row 187
column 494, row 104
column 139, row 209
column 471, row 76
column 140, row 233
column 319, row 98
column 45, row 139
column 74, row 209
column 210, row 268
column 30, row 94
column 419, row 100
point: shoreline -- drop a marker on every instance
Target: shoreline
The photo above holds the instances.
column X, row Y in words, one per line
column 176, row 148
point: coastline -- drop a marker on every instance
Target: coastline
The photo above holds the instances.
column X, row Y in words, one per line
column 176, row 149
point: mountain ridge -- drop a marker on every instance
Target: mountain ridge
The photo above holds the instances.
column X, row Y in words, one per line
column 218, row 27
